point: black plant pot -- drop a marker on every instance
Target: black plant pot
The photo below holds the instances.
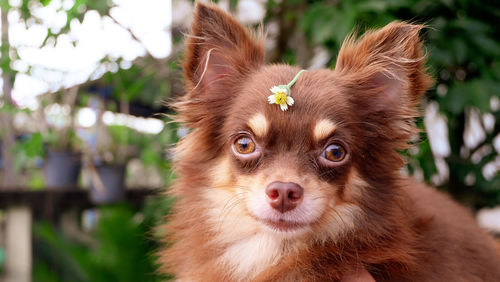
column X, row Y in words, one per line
column 61, row 169
column 111, row 187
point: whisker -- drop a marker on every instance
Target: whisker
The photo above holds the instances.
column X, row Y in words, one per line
column 230, row 204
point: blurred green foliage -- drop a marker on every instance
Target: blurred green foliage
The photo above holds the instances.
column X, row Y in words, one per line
column 123, row 247
column 139, row 83
column 77, row 11
column 151, row 149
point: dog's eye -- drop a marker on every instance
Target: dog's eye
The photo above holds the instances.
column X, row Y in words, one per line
column 244, row 145
column 334, row 153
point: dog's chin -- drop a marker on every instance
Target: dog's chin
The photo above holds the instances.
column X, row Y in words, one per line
column 291, row 224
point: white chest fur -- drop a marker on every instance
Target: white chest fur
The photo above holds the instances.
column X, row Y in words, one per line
column 248, row 257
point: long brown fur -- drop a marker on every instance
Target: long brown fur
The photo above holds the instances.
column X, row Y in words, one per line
column 375, row 219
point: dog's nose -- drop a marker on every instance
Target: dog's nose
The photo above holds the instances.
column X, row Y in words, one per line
column 284, row 196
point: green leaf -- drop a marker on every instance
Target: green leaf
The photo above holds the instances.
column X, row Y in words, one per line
column 478, row 94
column 2, row 256
column 45, row 2
column 149, row 157
column 488, row 45
column 459, row 48
column 454, row 101
column 34, row 146
column 36, row 181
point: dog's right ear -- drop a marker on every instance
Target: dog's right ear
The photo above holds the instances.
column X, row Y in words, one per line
column 220, row 52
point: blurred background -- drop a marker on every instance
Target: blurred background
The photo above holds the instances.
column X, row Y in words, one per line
column 84, row 137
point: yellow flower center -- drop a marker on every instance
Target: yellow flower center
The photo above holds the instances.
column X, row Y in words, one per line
column 280, row 97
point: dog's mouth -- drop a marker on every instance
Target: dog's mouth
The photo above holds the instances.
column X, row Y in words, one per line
column 284, row 225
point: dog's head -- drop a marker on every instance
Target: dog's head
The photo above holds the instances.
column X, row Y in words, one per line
column 315, row 168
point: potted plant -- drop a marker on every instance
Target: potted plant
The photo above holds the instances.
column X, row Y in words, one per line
column 115, row 146
column 62, row 161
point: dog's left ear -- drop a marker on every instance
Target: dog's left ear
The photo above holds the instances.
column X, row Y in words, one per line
column 386, row 66
column 219, row 53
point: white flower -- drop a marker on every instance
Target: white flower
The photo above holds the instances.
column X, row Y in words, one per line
column 280, row 96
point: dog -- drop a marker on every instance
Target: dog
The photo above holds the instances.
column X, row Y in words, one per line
column 291, row 175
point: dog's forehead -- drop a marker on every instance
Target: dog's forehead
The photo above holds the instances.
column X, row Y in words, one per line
column 317, row 108
column 318, row 129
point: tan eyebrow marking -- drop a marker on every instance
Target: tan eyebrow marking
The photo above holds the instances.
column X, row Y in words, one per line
column 323, row 129
column 258, row 124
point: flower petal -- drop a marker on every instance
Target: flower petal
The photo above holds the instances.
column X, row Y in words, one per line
column 274, row 89
column 271, row 99
column 289, row 101
column 284, row 107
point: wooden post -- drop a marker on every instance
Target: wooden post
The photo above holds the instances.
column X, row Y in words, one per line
column 18, row 244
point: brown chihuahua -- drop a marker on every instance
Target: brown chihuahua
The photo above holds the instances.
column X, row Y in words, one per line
column 289, row 175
